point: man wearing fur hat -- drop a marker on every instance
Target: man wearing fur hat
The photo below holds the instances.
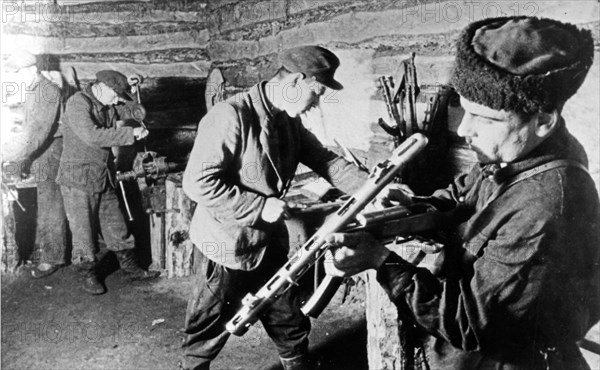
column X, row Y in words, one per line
column 246, row 153
column 38, row 147
column 517, row 285
column 87, row 179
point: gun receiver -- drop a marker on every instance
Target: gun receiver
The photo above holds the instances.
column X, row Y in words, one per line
column 384, row 173
column 387, row 224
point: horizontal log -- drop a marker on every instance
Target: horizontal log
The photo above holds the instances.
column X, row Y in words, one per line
column 397, row 44
column 145, row 57
column 116, row 44
column 64, row 29
column 253, row 14
column 97, row 13
column 87, row 71
column 247, row 72
column 352, row 22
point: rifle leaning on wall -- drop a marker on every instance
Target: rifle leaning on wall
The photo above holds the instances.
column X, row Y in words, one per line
column 384, row 173
column 403, row 115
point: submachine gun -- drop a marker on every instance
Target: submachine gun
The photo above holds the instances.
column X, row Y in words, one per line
column 309, row 253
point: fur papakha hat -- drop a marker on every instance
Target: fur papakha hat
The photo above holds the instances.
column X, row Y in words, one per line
column 521, row 64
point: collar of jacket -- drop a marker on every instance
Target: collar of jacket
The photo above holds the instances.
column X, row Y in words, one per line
column 258, row 98
column 557, row 146
column 268, row 139
column 263, row 98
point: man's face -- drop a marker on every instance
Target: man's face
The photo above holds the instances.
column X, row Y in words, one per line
column 497, row 136
column 303, row 96
column 105, row 94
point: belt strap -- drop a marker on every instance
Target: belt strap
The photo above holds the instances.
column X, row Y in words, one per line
column 532, row 172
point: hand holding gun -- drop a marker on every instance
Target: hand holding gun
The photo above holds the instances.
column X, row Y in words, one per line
column 396, row 224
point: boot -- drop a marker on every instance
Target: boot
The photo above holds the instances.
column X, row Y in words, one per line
column 43, row 270
column 300, row 362
column 132, row 270
column 91, row 281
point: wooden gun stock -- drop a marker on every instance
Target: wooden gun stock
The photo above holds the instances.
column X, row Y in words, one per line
column 287, row 276
column 385, row 224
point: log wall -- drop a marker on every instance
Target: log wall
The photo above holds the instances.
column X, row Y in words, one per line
column 175, row 44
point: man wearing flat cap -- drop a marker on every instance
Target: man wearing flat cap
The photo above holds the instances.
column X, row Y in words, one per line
column 39, row 146
column 244, row 158
column 517, row 284
column 87, row 179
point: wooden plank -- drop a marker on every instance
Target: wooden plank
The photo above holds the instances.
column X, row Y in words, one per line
column 9, row 249
column 179, row 251
column 157, row 240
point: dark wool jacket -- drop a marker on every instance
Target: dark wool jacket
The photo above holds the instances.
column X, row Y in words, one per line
column 525, row 276
column 89, row 132
column 243, row 154
column 40, row 123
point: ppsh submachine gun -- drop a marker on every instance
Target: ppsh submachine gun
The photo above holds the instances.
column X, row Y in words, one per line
column 314, row 249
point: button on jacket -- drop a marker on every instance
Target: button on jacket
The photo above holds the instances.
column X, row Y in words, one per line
column 243, row 154
column 524, row 279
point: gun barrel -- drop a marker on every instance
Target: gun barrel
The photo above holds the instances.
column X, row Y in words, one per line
column 315, row 247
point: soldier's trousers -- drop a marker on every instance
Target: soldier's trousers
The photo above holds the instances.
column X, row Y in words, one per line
column 51, row 219
column 92, row 216
column 217, row 296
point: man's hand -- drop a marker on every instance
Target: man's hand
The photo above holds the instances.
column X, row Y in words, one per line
column 135, row 79
column 394, row 194
column 274, row 209
column 352, row 253
column 140, row 133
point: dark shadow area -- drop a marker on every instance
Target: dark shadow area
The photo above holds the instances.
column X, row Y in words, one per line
column 107, row 263
column 346, row 349
column 25, row 223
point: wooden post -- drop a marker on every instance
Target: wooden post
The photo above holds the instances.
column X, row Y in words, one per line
column 157, row 240
column 179, row 247
column 9, row 251
column 383, row 327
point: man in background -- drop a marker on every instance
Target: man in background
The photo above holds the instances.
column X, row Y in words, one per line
column 87, row 177
column 38, row 147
